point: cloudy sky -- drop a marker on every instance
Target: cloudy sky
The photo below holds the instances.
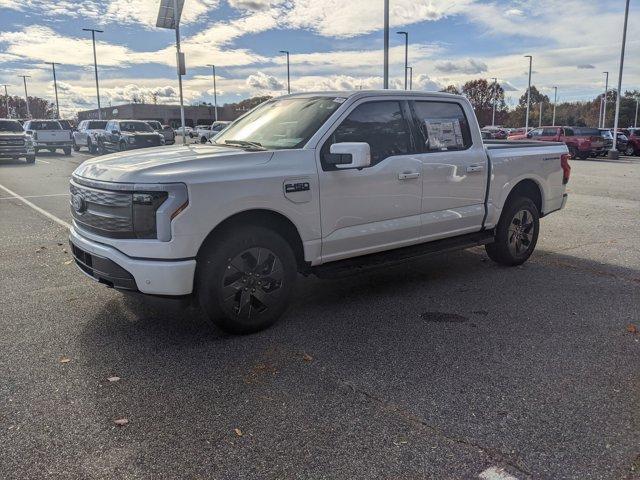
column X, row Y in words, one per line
column 334, row 44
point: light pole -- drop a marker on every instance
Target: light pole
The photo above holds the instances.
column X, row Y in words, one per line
column 26, row 95
column 169, row 17
column 385, row 81
column 540, row 118
column 635, row 122
column 613, row 153
column 55, row 87
column 6, row 98
column 555, row 102
column 286, row 52
column 215, row 92
column 410, row 77
column 95, row 64
column 493, row 115
column 406, row 55
column 604, row 100
column 526, row 126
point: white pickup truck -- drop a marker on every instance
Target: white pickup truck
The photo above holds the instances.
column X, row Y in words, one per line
column 322, row 183
column 49, row 135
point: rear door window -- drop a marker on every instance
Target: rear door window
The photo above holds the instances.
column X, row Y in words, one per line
column 441, row 126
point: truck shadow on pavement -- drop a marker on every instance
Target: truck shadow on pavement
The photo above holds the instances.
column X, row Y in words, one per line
column 452, row 349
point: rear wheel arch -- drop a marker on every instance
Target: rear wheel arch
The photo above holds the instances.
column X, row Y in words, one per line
column 269, row 219
column 527, row 188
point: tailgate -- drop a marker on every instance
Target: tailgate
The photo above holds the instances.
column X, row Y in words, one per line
column 53, row 135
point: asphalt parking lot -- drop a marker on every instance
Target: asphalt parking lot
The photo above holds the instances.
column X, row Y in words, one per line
column 450, row 368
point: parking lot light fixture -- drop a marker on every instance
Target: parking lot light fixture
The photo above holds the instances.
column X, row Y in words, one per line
column 55, row 87
column 604, row 100
column 613, row 153
column 95, row 65
column 385, row 76
column 635, row 122
column 555, row 102
column 169, row 15
column 406, row 55
column 410, row 77
column 26, row 95
column 526, row 124
column 493, row 115
column 6, row 99
column 215, row 93
column 540, row 117
column 286, row 52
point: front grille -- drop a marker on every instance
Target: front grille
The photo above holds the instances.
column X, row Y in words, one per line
column 104, row 212
column 12, row 143
column 147, row 141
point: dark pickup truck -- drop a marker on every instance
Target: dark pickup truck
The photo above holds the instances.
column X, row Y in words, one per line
column 121, row 135
column 14, row 142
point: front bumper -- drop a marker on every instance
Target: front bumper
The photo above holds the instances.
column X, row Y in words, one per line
column 16, row 151
column 115, row 269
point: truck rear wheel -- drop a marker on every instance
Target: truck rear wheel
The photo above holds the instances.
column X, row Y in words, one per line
column 516, row 234
column 245, row 279
column 31, row 159
column 67, row 151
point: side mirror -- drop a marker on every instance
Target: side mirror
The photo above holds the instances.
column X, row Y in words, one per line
column 349, row 155
column 29, row 132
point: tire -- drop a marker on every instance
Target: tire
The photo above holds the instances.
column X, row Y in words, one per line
column 37, row 150
column 76, row 147
column 573, row 152
column 232, row 268
column 91, row 147
column 630, row 151
column 203, row 140
column 507, row 248
column 122, row 146
column 31, row 158
column 67, row 151
column 583, row 155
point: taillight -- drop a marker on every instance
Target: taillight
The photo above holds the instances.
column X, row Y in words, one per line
column 566, row 168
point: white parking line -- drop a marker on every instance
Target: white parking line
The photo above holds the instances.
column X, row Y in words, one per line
column 496, row 473
column 38, row 196
column 43, row 161
column 50, row 216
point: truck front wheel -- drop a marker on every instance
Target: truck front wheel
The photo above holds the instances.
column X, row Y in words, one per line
column 516, row 234
column 245, row 279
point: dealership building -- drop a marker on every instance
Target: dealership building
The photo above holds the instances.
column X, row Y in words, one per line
column 165, row 114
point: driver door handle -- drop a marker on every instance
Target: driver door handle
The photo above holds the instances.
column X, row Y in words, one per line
column 408, row 175
column 475, row 168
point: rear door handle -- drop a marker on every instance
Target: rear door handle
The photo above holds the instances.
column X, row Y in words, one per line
column 475, row 168
column 408, row 175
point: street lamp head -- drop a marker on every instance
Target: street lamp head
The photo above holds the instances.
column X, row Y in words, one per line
column 284, row 51
column 93, row 30
column 402, row 33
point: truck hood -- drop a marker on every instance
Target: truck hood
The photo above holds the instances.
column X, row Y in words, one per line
column 189, row 164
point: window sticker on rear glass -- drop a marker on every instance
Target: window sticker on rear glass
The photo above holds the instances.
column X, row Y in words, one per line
column 339, row 100
column 444, row 133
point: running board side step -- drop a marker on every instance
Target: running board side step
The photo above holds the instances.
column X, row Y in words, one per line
column 364, row 263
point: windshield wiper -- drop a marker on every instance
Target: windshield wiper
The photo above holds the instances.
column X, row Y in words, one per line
column 245, row 143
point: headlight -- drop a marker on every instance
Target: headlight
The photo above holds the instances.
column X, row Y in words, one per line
column 155, row 206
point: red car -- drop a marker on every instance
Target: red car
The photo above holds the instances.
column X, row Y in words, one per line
column 633, row 145
column 581, row 142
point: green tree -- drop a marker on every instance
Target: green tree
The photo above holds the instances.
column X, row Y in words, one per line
column 481, row 94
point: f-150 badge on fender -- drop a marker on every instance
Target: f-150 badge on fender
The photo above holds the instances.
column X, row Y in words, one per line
column 298, row 190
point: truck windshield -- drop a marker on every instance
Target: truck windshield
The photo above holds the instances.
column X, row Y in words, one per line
column 97, row 125
column 10, row 126
column 280, row 124
column 135, row 127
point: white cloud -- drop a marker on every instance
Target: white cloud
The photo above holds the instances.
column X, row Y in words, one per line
column 264, row 83
column 145, row 12
column 254, row 4
column 468, row 66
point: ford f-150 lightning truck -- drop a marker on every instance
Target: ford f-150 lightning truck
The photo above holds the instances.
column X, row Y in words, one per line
column 322, row 183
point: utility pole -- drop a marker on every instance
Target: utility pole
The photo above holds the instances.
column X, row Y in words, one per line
column 6, row 98
column 26, row 95
column 526, row 125
column 613, row 153
column 385, row 82
column 410, row 77
column 215, row 92
column 555, row 102
column 604, row 101
column 95, row 64
column 540, row 118
column 55, row 87
column 286, row 52
column 493, row 115
column 635, row 123
column 406, row 55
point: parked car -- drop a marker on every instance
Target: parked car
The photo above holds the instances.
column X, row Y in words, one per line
column 518, row 133
column 323, row 183
column 120, row 135
column 187, row 129
column 208, row 132
column 48, row 135
column 86, row 135
column 165, row 130
column 497, row 133
column 621, row 142
column 607, row 136
column 14, row 142
column 633, row 143
column 581, row 142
